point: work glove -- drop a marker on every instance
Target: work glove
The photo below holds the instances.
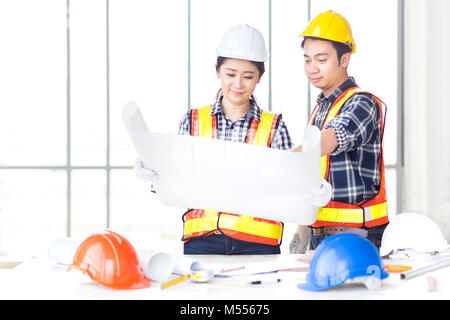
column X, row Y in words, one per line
column 300, row 240
column 144, row 173
column 320, row 197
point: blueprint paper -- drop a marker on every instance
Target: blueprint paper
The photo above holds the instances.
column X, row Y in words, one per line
column 204, row 173
column 158, row 265
column 184, row 265
column 132, row 117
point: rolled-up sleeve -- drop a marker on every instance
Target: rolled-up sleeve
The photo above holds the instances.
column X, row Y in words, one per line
column 355, row 123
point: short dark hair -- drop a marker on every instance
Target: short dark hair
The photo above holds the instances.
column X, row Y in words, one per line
column 340, row 47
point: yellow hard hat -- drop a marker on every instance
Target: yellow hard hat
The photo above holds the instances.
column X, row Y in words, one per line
column 330, row 25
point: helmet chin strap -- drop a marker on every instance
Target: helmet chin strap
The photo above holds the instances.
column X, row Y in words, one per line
column 371, row 282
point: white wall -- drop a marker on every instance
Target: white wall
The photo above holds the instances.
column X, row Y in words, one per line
column 426, row 179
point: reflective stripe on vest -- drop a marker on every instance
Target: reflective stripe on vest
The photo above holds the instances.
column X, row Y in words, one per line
column 369, row 213
column 199, row 222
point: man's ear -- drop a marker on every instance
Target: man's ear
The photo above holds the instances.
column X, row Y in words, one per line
column 345, row 60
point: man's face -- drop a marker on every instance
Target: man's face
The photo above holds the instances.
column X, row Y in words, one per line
column 322, row 67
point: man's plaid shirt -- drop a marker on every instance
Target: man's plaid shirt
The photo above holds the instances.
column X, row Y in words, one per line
column 355, row 169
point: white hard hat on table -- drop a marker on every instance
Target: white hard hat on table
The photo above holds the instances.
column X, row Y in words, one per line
column 243, row 42
column 412, row 230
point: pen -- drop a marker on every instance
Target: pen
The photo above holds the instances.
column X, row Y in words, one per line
column 396, row 268
column 265, row 281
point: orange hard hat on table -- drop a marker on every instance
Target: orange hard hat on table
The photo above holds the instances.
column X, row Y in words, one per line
column 110, row 260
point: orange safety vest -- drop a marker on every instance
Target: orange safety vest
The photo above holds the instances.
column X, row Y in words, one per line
column 200, row 222
column 367, row 213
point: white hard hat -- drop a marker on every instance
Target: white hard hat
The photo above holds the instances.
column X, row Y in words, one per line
column 414, row 231
column 243, row 42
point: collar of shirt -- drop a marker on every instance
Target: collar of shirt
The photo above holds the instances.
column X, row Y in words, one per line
column 322, row 100
column 253, row 113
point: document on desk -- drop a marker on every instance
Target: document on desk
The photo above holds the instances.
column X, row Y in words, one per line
column 257, row 268
column 203, row 173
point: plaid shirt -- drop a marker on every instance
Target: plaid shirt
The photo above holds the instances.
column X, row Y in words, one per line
column 354, row 167
column 237, row 131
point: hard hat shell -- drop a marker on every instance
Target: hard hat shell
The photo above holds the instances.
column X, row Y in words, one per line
column 243, row 42
column 412, row 230
column 332, row 26
column 110, row 260
column 342, row 257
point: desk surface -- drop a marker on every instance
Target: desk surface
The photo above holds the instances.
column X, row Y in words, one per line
column 42, row 279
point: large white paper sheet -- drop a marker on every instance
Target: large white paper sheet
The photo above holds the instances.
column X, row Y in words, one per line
column 197, row 172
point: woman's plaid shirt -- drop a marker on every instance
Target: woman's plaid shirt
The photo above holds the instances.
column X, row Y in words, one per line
column 237, row 131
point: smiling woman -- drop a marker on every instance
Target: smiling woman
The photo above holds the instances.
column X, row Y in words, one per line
column 234, row 116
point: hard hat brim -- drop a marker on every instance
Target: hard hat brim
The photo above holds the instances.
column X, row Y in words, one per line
column 385, row 251
column 310, row 287
column 302, row 37
column 243, row 57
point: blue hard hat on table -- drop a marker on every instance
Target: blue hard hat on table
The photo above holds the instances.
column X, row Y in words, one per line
column 341, row 257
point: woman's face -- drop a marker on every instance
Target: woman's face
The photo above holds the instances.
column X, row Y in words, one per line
column 238, row 80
